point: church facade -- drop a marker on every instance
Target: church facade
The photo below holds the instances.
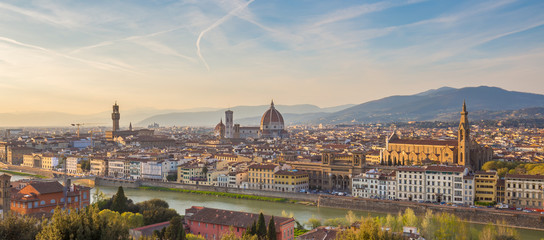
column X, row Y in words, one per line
column 462, row 152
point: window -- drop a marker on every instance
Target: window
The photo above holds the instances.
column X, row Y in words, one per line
column 42, row 202
column 29, row 205
column 53, row 201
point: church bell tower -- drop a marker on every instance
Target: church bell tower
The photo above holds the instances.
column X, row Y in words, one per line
column 115, row 116
column 463, row 145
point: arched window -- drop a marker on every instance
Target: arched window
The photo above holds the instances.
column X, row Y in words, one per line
column 53, row 201
column 42, row 202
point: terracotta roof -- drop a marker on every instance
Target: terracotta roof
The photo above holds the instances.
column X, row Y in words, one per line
column 47, row 187
column 445, row 168
column 230, row 218
column 263, row 166
column 321, row 233
column 538, row 177
column 412, row 169
column 424, row 142
column 271, row 116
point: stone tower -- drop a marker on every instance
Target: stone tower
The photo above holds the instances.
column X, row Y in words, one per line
column 5, row 193
column 229, row 124
column 464, row 139
column 115, row 116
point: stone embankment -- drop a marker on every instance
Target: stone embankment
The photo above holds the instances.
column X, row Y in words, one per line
column 36, row 171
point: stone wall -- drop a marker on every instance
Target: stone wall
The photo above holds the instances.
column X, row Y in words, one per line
column 477, row 215
column 110, row 182
column 260, row 193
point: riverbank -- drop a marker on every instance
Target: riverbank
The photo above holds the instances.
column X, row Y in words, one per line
column 22, row 174
column 220, row 194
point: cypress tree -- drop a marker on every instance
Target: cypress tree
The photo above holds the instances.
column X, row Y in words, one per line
column 261, row 227
column 119, row 201
column 271, row 229
column 252, row 230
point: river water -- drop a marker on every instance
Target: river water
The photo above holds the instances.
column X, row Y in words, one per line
column 182, row 201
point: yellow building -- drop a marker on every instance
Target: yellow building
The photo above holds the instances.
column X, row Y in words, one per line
column 464, row 151
column 485, row 186
column 261, row 176
column 291, row 181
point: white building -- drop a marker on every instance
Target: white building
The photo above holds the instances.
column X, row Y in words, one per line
column 374, row 184
column 152, row 170
column 468, row 190
column 71, row 164
column 431, row 183
column 116, row 168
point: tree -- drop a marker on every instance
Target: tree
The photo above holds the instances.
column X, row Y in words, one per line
column 314, row 222
column 261, row 226
column 271, row 229
column 119, row 201
column 175, row 231
column 155, row 211
column 83, row 224
column 498, row 232
column 252, row 230
column 17, row 227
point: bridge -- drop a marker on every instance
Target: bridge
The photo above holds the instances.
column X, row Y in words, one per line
column 84, row 180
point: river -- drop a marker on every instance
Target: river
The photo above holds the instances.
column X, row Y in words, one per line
column 182, row 201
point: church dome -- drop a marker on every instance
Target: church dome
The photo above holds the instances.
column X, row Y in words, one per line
column 272, row 117
column 220, row 129
column 220, row 126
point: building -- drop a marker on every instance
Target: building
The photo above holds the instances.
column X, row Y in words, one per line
column 261, row 176
column 117, row 132
column 145, row 232
column 229, row 126
column 49, row 161
column 291, row 181
column 32, row 160
column 335, row 170
column 463, row 152
column 115, row 116
column 486, row 186
column 116, row 168
column 72, row 163
column 15, row 155
column 191, row 173
column 213, row 223
column 44, row 197
column 235, row 179
column 525, row 191
column 431, row 183
column 99, row 167
column 468, row 190
column 219, row 130
column 272, row 125
column 374, row 184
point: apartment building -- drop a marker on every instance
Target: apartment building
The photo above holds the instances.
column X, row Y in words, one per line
column 525, row 191
column 374, row 184
column 486, row 186
column 261, row 176
column 291, row 180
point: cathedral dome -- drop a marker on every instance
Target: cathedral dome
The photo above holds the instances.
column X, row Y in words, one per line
column 272, row 119
column 220, row 129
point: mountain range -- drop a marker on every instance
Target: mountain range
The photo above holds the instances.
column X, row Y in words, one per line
column 442, row 104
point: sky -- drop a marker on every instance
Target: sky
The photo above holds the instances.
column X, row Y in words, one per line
column 81, row 56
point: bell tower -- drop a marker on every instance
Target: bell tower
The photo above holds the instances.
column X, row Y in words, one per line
column 463, row 140
column 115, row 116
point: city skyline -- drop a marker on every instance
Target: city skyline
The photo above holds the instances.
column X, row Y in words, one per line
column 190, row 54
